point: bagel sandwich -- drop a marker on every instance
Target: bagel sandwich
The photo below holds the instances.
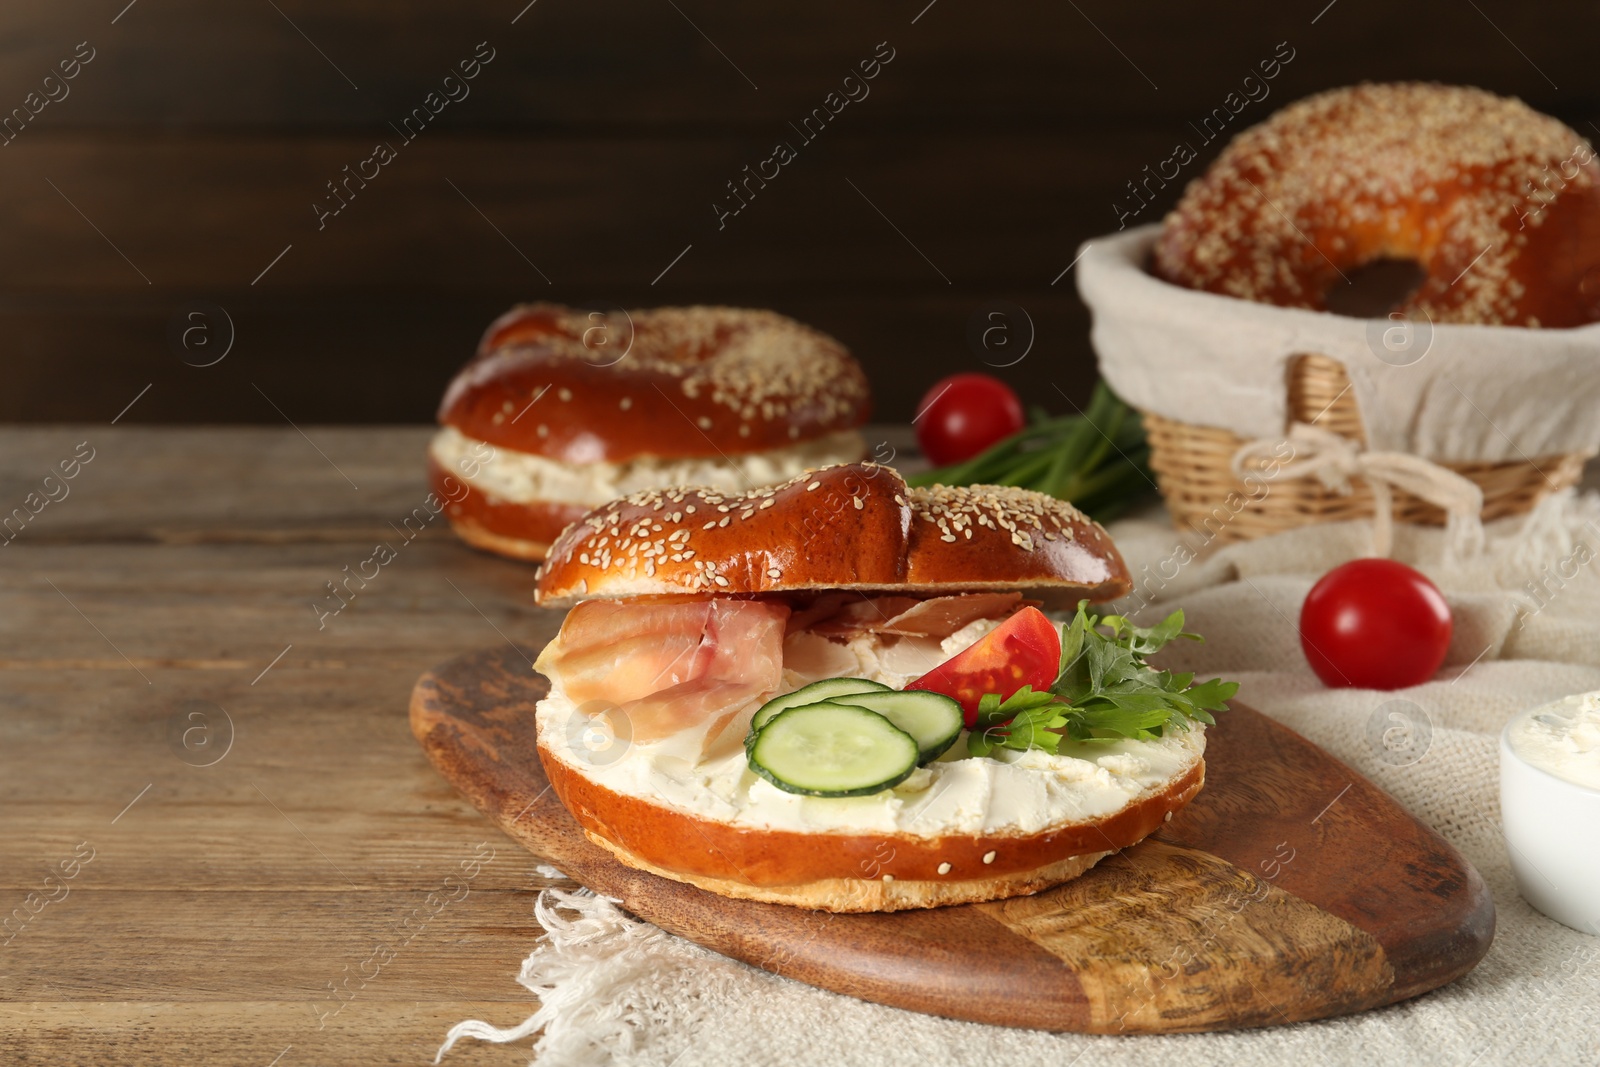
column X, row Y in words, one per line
column 563, row 409
column 840, row 693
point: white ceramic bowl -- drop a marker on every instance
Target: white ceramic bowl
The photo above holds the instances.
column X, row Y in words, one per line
column 1552, row 829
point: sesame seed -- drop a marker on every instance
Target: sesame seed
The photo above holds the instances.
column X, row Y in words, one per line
column 944, row 868
column 813, row 485
column 773, row 572
column 988, row 857
column 888, row 878
column 625, row 403
column 960, row 508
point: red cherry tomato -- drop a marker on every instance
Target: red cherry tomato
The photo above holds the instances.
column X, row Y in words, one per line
column 1375, row 624
column 964, row 414
column 1023, row 650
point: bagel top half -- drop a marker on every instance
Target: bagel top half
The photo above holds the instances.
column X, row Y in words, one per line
column 853, row 526
column 583, row 387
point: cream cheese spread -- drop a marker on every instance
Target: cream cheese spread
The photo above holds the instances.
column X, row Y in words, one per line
column 1562, row 738
column 521, row 477
column 1020, row 793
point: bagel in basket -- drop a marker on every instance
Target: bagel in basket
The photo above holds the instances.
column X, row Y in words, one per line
column 563, row 409
column 771, row 695
column 1443, row 201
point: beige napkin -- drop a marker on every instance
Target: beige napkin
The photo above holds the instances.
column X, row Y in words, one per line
column 614, row 990
column 1426, row 389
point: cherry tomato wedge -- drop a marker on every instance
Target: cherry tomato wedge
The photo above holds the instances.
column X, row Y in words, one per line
column 1023, row 650
column 1374, row 624
column 964, row 414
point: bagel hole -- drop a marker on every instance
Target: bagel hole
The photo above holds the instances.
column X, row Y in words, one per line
column 1375, row 288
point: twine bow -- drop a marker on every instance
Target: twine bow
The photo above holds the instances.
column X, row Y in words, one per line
column 1334, row 459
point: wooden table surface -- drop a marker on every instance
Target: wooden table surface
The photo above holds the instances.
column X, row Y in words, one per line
column 315, row 895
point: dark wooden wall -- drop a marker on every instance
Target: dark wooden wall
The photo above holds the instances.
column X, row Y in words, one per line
column 597, row 140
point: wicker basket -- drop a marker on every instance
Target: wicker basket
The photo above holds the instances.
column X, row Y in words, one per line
column 1194, row 466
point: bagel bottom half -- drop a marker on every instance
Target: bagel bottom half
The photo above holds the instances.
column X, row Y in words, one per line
column 855, row 872
column 504, row 527
column 864, row 894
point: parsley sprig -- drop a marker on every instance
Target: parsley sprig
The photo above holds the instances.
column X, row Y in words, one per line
column 1105, row 690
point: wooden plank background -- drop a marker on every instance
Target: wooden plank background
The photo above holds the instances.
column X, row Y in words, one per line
column 187, row 153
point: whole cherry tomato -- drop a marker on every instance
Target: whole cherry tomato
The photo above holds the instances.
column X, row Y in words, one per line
column 1375, row 624
column 964, row 414
column 1023, row 650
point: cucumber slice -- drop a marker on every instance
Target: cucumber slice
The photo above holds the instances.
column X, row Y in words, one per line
column 933, row 720
column 826, row 689
column 832, row 750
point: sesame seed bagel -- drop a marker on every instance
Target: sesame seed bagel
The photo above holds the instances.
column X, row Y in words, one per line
column 848, row 526
column 563, row 409
column 1495, row 205
column 661, row 382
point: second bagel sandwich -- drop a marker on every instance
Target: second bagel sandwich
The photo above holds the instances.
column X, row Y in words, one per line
column 563, row 409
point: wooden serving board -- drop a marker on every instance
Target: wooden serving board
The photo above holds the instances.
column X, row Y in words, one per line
column 1290, row 889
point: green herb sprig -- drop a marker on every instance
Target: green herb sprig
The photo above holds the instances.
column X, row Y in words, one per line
column 1099, row 459
column 1104, row 691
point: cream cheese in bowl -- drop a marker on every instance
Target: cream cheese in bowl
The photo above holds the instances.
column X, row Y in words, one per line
column 1550, row 807
column 1562, row 738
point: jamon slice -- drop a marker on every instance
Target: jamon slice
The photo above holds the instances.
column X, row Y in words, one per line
column 942, row 616
column 866, row 615
column 703, row 706
column 626, row 668
column 823, row 607
column 844, row 616
column 668, row 665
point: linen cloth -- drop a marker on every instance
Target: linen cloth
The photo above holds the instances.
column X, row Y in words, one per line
column 614, row 990
column 1428, row 389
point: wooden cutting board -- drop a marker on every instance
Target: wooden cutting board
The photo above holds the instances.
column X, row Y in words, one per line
column 1290, row 889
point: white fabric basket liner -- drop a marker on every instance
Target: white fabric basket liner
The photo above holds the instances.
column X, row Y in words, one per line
column 1472, row 394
